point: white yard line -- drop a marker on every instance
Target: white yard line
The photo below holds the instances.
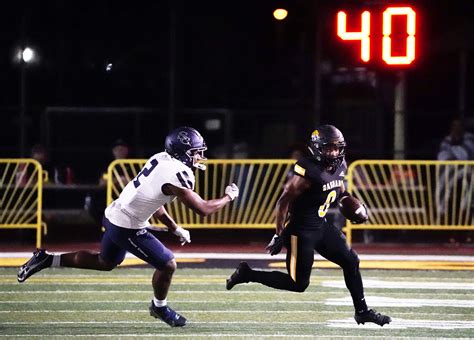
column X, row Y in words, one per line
column 152, row 322
column 118, row 283
column 374, row 301
column 212, row 292
column 371, row 283
column 207, row 336
column 382, row 301
column 260, row 256
column 142, row 310
column 404, row 324
column 174, row 301
column 343, row 323
column 318, row 275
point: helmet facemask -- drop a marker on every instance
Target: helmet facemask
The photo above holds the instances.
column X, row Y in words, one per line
column 196, row 158
column 332, row 154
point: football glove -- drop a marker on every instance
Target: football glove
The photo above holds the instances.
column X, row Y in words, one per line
column 232, row 191
column 275, row 245
column 183, row 234
column 362, row 216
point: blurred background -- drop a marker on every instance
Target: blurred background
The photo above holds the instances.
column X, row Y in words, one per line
column 99, row 71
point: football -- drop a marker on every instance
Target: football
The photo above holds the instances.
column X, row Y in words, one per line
column 353, row 209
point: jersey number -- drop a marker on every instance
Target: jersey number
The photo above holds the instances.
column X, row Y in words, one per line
column 145, row 172
column 323, row 209
column 183, row 178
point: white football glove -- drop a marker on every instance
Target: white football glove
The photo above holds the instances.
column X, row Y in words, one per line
column 183, row 234
column 232, row 191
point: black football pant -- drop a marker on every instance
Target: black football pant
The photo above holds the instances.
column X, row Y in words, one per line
column 301, row 244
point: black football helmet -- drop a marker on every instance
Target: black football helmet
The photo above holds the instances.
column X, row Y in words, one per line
column 186, row 145
column 322, row 139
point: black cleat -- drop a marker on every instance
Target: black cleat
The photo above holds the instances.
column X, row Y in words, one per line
column 371, row 315
column 239, row 276
column 167, row 315
column 39, row 261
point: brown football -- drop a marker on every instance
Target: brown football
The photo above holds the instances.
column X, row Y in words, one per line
column 353, row 209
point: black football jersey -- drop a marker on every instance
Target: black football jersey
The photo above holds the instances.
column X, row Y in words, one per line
column 310, row 208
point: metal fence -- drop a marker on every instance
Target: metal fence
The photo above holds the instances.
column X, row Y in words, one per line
column 413, row 195
column 260, row 183
column 21, row 195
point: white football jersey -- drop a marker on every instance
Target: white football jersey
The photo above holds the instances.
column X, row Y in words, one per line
column 142, row 196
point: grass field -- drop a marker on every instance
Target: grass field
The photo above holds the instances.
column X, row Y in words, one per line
column 65, row 303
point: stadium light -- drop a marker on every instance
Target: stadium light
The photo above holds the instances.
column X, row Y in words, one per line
column 280, row 13
column 28, row 55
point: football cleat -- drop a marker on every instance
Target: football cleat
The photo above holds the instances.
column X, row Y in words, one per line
column 239, row 276
column 167, row 315
column 39, row 261
column 371, row 315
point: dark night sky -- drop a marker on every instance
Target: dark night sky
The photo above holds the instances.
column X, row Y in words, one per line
column 228, row 54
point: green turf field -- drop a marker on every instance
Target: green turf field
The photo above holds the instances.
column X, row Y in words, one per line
column 64, row 304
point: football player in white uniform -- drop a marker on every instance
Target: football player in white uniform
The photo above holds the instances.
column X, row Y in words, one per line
column 165, row 176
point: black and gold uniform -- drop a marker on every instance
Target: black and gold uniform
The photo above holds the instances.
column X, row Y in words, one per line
column 306, row 202
column 308, row 230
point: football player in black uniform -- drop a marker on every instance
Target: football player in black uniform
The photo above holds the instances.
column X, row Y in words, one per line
column 306, row 198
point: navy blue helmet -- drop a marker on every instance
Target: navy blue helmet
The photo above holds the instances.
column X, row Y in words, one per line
column 328, row 146
column 186, row 145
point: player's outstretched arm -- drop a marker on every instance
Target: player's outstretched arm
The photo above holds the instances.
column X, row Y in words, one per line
column 200, row 206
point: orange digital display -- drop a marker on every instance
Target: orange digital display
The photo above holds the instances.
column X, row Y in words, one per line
column 391, row 22
column 363, row 35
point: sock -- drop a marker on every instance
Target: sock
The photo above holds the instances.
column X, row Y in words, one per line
column 361, row 306
column 159, row 303
column 56, row 261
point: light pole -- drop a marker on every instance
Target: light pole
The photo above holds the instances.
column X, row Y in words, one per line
column 25, row 56
column 399, row 122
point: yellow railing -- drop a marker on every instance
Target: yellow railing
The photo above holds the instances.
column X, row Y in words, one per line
column 260, row 183
column 417, row 195
column 21, row 195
